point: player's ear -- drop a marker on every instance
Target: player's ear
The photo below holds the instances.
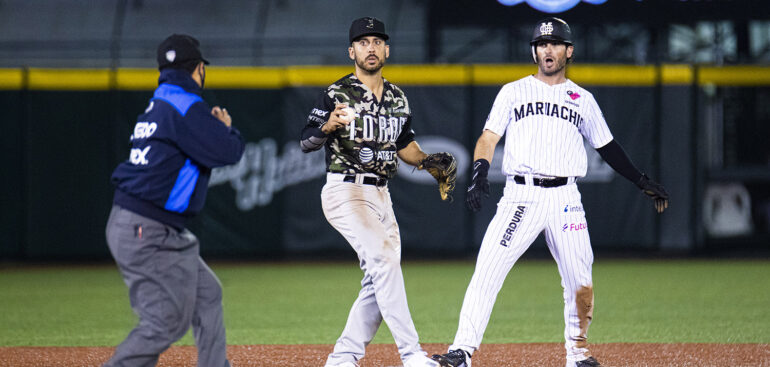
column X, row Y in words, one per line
column 387, row 51
column 570, row 50
column 352, row 53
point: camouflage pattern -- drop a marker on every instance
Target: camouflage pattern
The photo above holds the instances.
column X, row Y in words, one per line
column 378, row 130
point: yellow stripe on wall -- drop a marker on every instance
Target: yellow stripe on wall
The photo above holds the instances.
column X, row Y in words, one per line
column 137, row 79
column 424, row 74
column 315, row 76
column 612, row 75
column 11, row 79
column 245, row 77
column 436, row 74
column 69, row 79
column 734, row 75
column 676, row 74
column 491, row 74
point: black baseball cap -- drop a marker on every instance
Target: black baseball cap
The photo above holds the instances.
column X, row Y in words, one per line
column 552, row 29
column 178, row 49
column 367, row 26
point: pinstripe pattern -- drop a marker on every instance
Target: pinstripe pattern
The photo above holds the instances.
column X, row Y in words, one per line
column 546, row 144
column 544, row 128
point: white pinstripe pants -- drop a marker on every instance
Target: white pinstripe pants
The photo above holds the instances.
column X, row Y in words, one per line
column 522, row 214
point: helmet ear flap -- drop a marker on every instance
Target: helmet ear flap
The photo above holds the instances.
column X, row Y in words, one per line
column 534, row 54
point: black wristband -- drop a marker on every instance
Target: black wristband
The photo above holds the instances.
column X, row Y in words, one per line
column 480, row 168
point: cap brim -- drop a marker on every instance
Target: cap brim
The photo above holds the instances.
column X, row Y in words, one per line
column 550, row 38
column 381, row 35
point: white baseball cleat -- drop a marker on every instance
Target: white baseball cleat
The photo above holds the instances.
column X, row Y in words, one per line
column 421, row 361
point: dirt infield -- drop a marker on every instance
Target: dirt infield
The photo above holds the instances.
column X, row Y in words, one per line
column 382, row 355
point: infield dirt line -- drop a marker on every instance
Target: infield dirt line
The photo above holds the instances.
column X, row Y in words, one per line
column 385, row 355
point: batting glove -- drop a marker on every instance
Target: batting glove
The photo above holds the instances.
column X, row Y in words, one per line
column 655, row 191
column 479, row 185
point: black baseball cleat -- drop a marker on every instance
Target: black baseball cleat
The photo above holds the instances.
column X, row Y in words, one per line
column 455, row 358
column 588, row 362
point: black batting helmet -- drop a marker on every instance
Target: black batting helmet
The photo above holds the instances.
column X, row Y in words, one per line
column 550, row 29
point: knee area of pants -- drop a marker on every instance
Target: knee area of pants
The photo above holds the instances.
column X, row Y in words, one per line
column 386, row 260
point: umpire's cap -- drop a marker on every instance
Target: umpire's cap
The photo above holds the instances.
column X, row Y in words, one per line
column 367, row 26
column 552, row 29
column 177, row 50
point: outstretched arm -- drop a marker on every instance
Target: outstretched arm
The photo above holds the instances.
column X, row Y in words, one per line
column 616, row 157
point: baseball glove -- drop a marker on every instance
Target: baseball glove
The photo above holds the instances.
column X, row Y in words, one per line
column 655, row 191
column 443, row 167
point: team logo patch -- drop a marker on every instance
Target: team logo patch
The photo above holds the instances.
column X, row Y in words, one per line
column 513, row 225
column 546, row 28
column 170, row 55
column 365, row 155
column 573, row 95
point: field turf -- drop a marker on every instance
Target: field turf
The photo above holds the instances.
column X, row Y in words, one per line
column 637, row 301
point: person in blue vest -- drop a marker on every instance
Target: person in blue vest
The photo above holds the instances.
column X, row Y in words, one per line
column 175, row 144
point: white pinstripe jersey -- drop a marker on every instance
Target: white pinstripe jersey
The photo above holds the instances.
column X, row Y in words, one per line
column 544, row 127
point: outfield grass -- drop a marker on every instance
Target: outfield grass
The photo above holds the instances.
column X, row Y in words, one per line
column 636, row 301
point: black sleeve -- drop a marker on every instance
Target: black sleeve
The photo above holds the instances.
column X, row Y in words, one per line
column 407, row 134
column 312, row 137
column 616, row 157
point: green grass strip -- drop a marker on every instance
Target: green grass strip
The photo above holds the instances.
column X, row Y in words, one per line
column 682, row 301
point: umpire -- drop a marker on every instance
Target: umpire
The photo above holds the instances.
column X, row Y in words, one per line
column 175, row 144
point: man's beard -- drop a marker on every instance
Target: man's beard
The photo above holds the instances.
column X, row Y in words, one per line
column 362, row 64
column 560, row 63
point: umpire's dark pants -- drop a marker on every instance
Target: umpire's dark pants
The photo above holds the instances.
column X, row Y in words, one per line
column 170, row 289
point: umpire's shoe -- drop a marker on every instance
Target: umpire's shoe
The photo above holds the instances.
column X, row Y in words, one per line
column 589, row 362
column 455, row 358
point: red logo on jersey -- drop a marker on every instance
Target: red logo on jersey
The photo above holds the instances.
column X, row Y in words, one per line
column 573, row 95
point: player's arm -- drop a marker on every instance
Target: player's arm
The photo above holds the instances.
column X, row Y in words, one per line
column 412, row 154
column 485, row 146
column 616, row 157
column 324, row 119
column 482, row 156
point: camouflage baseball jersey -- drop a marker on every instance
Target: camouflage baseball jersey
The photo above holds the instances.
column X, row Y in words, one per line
column 370, row 142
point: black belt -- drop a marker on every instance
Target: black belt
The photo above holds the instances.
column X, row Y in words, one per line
column 543, row 182
column 368, row 180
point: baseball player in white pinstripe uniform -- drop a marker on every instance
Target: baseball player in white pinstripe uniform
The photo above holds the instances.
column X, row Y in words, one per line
column 544, row 118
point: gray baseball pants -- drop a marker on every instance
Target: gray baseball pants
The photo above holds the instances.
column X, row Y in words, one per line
column 170, row 289
column 363, row 214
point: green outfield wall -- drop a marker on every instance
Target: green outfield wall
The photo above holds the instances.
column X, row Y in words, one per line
column 65, row 130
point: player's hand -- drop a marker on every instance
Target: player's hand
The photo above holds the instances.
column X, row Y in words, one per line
column 222, row 115
column 479, row 188
column 337, row 119
column 655, row 191
column 476, row 190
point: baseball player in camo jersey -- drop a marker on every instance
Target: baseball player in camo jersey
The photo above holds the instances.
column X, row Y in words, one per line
column 361, row 157
column 544, row 118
